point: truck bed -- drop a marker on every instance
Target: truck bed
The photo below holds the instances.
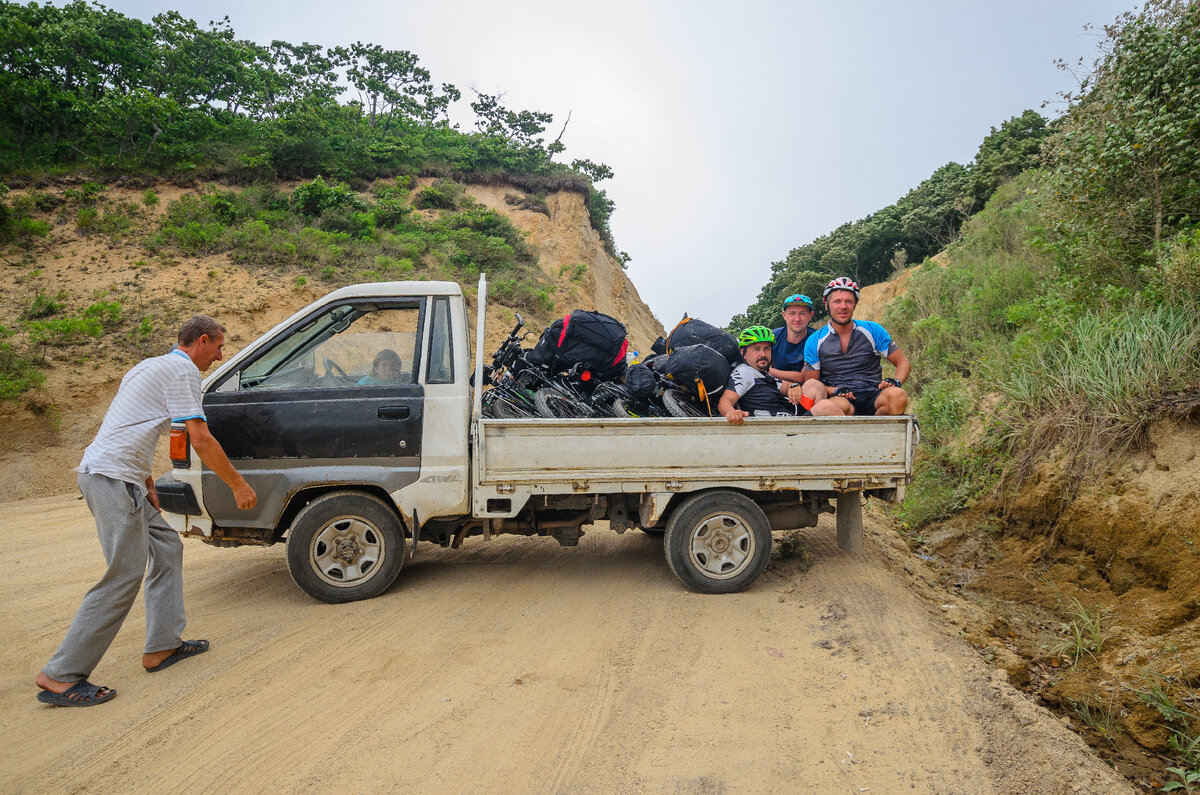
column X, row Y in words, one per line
column 519, row 458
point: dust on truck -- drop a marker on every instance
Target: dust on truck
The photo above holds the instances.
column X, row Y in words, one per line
column 352, row 470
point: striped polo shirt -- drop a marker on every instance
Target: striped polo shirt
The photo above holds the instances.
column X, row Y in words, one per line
column 860, row 366
column 153, row 394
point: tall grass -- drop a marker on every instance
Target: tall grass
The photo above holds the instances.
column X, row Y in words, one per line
column 996, row 331
column 1097, row 386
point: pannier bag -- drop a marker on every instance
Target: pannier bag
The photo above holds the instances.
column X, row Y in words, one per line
column 592, row 339
column 640, row 382
column 698, row 369
column 692, row 331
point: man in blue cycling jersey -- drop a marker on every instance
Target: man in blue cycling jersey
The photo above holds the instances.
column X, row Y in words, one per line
column 751, row 390
column 844, row 375
column 787, row 355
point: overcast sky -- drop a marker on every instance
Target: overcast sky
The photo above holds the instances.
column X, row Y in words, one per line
column 736, row 131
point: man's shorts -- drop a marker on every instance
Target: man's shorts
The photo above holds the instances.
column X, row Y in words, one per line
column 864, row 402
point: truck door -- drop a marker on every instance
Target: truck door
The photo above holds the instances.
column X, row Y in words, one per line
column 334, row 400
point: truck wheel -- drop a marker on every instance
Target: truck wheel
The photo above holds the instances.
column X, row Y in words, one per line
column 552, row 403
column 345, row 546
column 679, row 404
column 717, row 542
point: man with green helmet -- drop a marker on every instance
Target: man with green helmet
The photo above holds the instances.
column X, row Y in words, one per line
column 751, row 390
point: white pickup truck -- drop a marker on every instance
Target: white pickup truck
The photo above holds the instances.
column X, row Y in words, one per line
column 354, row 462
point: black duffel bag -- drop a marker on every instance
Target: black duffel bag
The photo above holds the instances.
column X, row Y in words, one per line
column 640, row 382
column 698, row 369
column 693, row 331
column 593, row 339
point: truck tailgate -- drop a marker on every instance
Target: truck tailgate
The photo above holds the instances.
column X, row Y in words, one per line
column 634, row 455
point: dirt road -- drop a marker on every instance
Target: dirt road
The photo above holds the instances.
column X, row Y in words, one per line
column 519, row 666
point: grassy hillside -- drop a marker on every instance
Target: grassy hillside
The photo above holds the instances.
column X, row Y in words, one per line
column 1056, row 352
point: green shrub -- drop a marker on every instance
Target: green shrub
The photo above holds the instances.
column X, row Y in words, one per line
column 87, row 193
column 42, row 306
column 64, row 331
column 149, row 198
column 443, row 194
column 314, row 198
column 18, row 373
column 85, row 219
column 194, row 237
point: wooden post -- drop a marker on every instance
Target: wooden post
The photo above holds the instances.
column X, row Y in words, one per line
column 849, row 522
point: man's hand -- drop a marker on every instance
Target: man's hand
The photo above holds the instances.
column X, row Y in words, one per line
column 795, row 393
column 152, row 495
column 842, row 391
column 736, row 416
column 245, row 496
column 887, row 382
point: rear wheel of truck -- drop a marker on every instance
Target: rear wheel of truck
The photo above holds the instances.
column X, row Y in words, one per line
column 717, row 542
column 345, row 546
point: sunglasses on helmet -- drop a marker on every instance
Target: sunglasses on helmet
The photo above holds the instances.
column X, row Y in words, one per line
column 797, row 298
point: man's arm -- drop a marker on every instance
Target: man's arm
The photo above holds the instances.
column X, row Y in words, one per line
column 210, row 452
column 903, row 367
column 726, row 407
column 795, row 376
column 811, row 374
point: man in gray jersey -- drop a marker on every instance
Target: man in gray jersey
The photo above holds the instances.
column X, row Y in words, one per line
column 114, row 477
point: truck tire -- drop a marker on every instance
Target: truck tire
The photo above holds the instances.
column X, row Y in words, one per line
column 717, row 542
column 679, row 404
column 345, row 546
column 554, row 404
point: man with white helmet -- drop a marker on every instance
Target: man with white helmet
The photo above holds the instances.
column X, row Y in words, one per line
column 843, row 372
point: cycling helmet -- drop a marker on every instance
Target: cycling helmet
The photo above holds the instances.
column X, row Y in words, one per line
column 755, row 334
column 797, row 299
column 841, row 283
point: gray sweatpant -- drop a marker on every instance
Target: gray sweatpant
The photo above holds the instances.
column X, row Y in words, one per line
column 131, row 533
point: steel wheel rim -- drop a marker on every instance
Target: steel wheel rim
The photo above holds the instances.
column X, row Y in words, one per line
column 721, row 546
column 346, row 551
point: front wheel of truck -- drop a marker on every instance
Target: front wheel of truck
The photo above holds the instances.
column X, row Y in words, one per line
column 345, row 546
column 718, row 542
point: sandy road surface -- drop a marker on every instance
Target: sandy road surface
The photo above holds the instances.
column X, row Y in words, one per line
column 519, row 666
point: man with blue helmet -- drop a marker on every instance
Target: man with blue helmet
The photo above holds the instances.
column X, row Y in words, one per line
column 787, row 355
column 844, row 374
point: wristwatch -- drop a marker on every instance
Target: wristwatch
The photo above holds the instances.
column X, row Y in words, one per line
column 893, row 381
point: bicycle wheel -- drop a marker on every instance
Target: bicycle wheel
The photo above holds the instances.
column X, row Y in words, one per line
column 554, row 404
column 680, row 404
column 504, row 410
column 622, row 408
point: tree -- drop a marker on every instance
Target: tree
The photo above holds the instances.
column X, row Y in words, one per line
column 1124, row 158
column 1006, row 152
column 392, row 86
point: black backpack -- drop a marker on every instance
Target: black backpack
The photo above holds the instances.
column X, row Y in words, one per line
column 698, row 369
column 640, row 382
column 592, row 339
column 693, row 331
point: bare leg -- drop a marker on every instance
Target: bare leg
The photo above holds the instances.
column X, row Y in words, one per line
column 892, row 401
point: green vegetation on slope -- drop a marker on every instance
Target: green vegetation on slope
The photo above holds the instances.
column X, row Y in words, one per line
column 82, row 86
column 1064, row 322
column 317, row 232
column 919, row 225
